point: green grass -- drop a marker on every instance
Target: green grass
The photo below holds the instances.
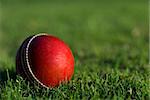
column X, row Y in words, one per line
column 109, row 41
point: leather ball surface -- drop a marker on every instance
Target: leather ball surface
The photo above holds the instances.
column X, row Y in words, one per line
column 45, row 59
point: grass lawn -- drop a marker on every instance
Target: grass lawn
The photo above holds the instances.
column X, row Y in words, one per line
column 109, row 41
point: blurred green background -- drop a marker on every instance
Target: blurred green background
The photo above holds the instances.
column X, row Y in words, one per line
column 104, row 35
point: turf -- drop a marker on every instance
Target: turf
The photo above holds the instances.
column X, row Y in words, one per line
column 109, row 41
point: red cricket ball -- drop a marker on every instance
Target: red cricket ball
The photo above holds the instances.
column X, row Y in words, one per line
column 45, row 60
